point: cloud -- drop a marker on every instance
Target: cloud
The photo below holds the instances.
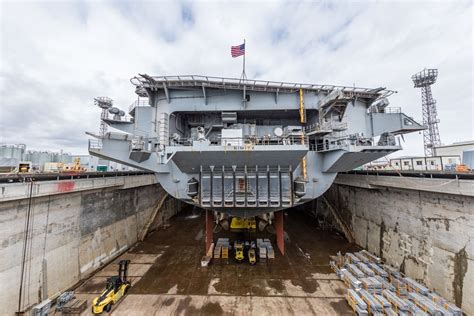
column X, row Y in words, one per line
column 57, row 56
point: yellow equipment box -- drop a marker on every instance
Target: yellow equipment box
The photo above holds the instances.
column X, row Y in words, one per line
column 243, row 223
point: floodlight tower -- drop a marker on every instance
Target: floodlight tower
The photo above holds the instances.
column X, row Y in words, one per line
column 104, row 103
column 424, row 79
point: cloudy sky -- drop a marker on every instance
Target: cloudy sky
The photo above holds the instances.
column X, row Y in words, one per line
column 56, row 56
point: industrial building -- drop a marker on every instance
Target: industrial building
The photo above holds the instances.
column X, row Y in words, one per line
column 14, row 157
column 11, row 156
column 465, row 150
column 446, row 159
column 434, row 163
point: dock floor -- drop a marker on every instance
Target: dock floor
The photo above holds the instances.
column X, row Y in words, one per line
column 167, row 277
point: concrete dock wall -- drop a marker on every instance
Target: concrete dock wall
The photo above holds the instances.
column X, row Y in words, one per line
column 74, row 228
column 423, row 226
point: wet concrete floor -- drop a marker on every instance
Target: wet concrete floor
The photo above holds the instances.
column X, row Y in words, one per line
column 167, row 277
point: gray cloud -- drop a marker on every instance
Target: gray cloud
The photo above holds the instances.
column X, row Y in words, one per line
column 57, row 56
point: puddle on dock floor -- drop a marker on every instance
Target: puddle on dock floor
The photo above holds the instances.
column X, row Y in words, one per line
column 301, row 282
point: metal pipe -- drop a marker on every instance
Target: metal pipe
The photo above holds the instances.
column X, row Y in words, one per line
column 25, row 245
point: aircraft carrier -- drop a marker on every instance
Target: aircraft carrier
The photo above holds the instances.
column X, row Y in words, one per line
column 237, row 148
column 248, row 147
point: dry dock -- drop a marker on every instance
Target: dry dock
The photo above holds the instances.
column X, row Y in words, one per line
column 168, row 278
column 61, row 233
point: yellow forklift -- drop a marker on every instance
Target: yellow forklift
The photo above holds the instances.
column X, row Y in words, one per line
column 252, row 256
column 116, row 288
column 239, row 251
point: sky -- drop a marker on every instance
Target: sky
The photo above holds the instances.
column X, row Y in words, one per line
column 56, row 56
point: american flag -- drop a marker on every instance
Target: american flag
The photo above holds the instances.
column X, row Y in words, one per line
column 238, row 50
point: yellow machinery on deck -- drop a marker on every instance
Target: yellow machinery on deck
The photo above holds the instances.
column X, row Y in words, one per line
column 116, row 288
column 252, row 256
column 462, row 168
column 74, row 167
column 238, row 223
column 239, row 251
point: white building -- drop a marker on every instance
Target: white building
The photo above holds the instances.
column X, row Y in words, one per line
column 437, row 163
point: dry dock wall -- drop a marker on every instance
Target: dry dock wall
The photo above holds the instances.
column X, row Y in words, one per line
column 74, row 228
column 425, row 227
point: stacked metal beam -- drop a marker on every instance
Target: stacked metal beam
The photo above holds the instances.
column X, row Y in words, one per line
column 362, row 257
column 398, row 303
column 378, row 270
column 217, row 251
column 372, row 257
column 270, row 251
column 384, row 290
column 400, row 286
column 221, row 249
column 351, row 258
column 414, row 286
column 390, row 312
column 364, row 268
column 355, row 270
column 371, row 284
column 427, row 305
column 373, row 305
column 415, row 310
column 392, row 272
column 356, row 302
column 385, row 283
column 450, row 307
column 350, row 280
column 382, row 300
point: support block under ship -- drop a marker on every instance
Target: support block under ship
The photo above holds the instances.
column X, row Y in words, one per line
column 249, row 147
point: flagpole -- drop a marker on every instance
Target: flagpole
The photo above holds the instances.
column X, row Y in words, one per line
column 244, row 76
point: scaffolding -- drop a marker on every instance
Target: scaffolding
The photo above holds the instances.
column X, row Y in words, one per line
column 104, row 103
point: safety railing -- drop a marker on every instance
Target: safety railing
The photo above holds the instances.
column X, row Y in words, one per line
column 330, row 145
column 250, row 84
column 392, row 141
column 325, row 127
column 345, row 142
column 340, row 143
column 95, row 144
column 392, row 110
column 244, row 141
column 137, row 103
